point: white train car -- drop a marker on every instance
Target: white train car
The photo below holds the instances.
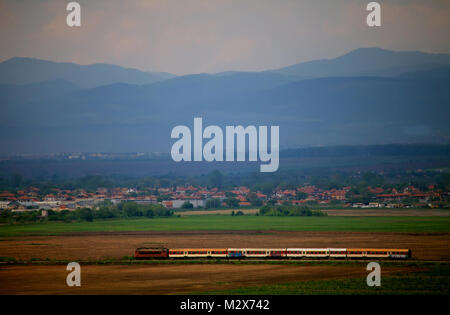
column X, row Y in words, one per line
column 316, row 252
column 295, row 252
column 257, row 252
column 218, row 252
column 337, row 252
column 198, row 252
column 277, row 252
column 307, row 252
column 177, row 253
column 356, row 252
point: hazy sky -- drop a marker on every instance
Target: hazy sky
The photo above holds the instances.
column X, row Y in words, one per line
column 192, row 36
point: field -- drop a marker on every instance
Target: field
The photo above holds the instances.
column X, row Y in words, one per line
column 175, row 279
column 242, row 223
column 429, row 281
column 34, row 255
column 336, row 212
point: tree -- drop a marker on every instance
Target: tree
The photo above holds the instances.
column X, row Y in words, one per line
column 131, row 209
column 254, row 200
column 232, row 202
column 86, row 214
column 187, row 205
column 215, row 179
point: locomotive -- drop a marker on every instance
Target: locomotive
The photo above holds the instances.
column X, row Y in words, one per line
column 271, row 253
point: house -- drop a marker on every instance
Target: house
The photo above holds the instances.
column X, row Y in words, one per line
column 178, row 203
column 4, row 205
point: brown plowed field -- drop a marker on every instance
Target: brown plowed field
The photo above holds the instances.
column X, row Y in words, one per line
column 166, row 279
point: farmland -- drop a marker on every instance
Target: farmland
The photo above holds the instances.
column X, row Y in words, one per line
column 175, row 279
column 428, row 281
column 250, row 223
column 37, row 253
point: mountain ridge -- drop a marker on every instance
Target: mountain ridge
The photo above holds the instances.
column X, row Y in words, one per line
column 21, row 70
column 367, row 61
column 57, row 115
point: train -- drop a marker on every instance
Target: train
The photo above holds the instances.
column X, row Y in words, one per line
column 271, row 253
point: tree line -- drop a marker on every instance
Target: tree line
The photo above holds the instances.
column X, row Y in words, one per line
column 104, row 211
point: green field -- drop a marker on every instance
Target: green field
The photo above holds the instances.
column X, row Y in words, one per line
column 434, row 281
column 222, row 222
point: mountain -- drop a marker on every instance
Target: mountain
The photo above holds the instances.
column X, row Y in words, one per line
column 323, row 111
column 40, row 91
column 28, row 70
column 60, row 116
column 367, row 62
column 442, row 73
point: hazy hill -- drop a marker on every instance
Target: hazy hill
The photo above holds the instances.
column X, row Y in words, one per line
column 368, row 62
column 325, row 111
column 60, row 116
column 28, row 70
column 23, row 93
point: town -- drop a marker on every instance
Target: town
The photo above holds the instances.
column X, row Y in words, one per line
column 190, row 196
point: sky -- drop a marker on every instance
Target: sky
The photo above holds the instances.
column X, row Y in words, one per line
column 197, row 36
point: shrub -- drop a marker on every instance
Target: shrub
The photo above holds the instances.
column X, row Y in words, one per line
column 289, row 210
